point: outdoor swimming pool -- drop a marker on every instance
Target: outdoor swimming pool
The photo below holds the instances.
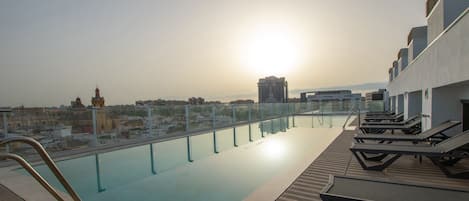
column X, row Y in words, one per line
column 162, row 171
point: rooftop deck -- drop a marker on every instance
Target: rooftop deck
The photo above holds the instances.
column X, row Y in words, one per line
column 338, row 160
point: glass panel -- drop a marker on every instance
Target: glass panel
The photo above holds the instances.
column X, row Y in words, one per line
column 375, row 106
column 57, row 129
column 121, row 124
column 168, row 120
column 242, row 113
column 255, row 131
column 255, row 112
column 200, row 117
column 223, row 115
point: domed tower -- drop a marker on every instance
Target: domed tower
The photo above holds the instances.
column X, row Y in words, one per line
column 97, row 100
column 77, row 103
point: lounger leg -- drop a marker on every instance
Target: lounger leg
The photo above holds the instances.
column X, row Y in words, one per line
column 358, row 140
column 379, row 167
column 378, row 157
column 448, row 173
column 363, row 130
column 450, row 162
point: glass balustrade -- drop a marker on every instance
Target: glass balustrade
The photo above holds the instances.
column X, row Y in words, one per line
column 65, row 129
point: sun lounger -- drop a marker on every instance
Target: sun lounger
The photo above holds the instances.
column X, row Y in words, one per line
column 434, row 135
column 409, row 128
column 408, row 120
column 369, row 114
column 346, row 188
column 397, row 117
column 443, row 154
column 435, row 132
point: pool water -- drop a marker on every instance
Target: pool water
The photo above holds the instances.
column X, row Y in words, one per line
column 162, row 171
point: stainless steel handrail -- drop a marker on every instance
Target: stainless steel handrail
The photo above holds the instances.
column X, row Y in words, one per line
column 33, row 173
column 48, row 161
column 349, row 116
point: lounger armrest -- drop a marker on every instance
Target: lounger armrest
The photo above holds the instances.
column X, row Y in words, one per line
column 325, row 194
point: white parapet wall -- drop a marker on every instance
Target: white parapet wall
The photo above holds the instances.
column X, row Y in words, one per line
column 444, row 62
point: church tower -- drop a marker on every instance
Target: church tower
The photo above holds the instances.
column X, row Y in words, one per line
column 97, row 100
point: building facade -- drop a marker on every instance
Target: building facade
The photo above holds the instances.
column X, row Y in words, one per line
column 336, row 100
column 434, row 81
column 273, row 90
column 331, row 95
column 376, row 95
column 377, row 100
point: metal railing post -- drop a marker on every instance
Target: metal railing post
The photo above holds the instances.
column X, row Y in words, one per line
column 294, row 111
column 233, row 111
column 214, row 131
column 271, row 126
column 98, row 174
column 249, row 121
column 261, row 122
column 95, row 133
column 288, row 115
column 359, row 117
column 152, row 159
column 150, row 121
column 188, row 138
column 5, row 129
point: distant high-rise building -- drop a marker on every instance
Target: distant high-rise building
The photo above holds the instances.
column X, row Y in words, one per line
column 273, row 90
column 97, row 100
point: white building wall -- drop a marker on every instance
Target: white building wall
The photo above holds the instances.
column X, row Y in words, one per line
column 447, row 103
column 444, row 62
column 426, row 109
column 443, row 14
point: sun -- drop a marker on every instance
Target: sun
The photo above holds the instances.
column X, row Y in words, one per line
column 271, row 50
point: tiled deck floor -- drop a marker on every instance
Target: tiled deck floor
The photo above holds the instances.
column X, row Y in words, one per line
column 338, row 160
column 7, row 195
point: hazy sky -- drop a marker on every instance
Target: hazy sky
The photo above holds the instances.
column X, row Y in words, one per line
column 54, row 51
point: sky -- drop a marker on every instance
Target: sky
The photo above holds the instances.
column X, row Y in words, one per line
column 54, row 51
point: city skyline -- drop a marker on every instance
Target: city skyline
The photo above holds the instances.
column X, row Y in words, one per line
column 53, row 53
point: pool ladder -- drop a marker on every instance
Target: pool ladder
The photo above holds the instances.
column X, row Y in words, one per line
column 47, row 160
